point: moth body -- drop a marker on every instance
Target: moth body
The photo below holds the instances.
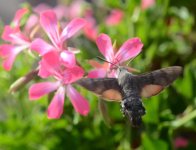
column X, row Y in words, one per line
column 131, row 104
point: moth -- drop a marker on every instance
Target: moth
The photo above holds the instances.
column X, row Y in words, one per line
column 129, row 88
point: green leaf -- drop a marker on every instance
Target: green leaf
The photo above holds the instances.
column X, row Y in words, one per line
column 149, row 143
column 151, row 105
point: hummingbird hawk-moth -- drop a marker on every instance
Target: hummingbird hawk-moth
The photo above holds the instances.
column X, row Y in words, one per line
column 129, row 88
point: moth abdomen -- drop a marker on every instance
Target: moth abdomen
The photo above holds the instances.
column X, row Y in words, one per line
column 133, row 108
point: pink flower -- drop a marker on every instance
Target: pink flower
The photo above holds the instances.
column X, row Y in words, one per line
column 49, row 23
column 17, row 41
column 18, row 16
column 145, row 4
column 32, row 21
column 90, row 30
column 71, row 11
column 130, row 49
column 41, row 8
column 75, row 9
column 59, row 10
column 65, row 74
column 115, row 17
column 180, row 142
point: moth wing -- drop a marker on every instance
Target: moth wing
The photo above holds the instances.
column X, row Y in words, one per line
column 107, row 88
column 151, row 90
column 154, row 82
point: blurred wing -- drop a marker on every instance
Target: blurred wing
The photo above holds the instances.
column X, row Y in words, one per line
column 154, row 82
column 107, row 88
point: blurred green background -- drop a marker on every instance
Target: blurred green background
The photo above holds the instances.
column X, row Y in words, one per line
column 167, row 30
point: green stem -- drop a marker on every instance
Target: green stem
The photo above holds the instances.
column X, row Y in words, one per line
column 183, row 120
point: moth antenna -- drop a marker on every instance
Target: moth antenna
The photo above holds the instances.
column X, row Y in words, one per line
column 129, row 61
column 131, row 69
column 107, row 61
column 132, row 59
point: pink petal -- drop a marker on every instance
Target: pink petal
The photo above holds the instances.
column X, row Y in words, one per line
column 8, row 63
column 40, row 89
column 14, row 35
column 130, row 49
column 6, row 49
column 8, row 53
column 41, row 46
column 60, row 11
column 31, row 22
column 41, row 8
column 6, row 33
column 180, row 142
column 88, row 14
column 68, row 59
column 98, row 73
column 49, row 65
column 72, row 74
column 79, row 103
column 145, row 4
column 97, row 65
column 105, row 46
column 115, row 17
column 90, row 31
column 55, row 108
column 74, row 26
column 43, row 71
column 19, row 14
column 48, row 21
column 75, row 9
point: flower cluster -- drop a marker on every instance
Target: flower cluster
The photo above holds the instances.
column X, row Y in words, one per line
column 56, row 59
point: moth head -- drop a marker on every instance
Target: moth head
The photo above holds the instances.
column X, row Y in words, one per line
column 134, row 110
column 121, row 70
